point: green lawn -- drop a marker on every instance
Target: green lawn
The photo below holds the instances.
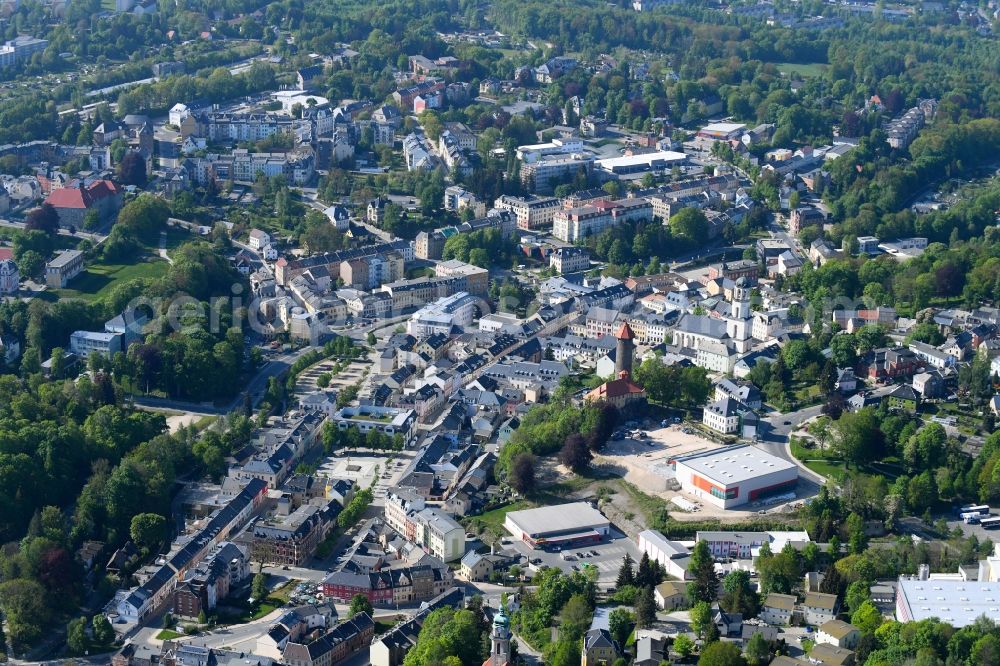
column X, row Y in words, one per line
column 494, row 519
column 98, row 279
column 832, row 470
column 168, row 635
column 808, row 70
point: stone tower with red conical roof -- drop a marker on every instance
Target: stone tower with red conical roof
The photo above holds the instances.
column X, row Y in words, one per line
column 624, row 351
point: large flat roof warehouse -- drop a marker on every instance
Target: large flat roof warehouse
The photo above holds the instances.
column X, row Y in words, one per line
column 735, row 464
column 721, row 128
column 563, row 523
column 957, row 602
column 644, row 162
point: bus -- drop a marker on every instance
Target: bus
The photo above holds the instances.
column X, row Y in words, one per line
column 981, row 509
column 971, row 518
column 990, row 523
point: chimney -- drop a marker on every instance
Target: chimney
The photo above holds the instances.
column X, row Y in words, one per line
column 924, row 572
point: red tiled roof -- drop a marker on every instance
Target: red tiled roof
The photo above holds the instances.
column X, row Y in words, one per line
column 74, row 196
column 6, row 253
column 625, row 332
column 615, row 389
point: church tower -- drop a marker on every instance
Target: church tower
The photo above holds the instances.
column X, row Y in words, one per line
column 738, row 325
column 624, row 351
column 499, row 640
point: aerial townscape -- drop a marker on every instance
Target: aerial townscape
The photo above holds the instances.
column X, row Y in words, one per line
column 500, row 333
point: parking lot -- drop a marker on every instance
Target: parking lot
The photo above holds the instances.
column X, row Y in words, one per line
column 607, row 561
column 352, row 374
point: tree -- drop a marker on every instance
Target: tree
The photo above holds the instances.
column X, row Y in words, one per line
column 148, row 529
column 522, row 474
column 757, row 651
column 620, row 624
column 574, row 618
column 44, row 218
column 565, row 653
column 104, row 634
column 705, row 583
column 372, row 340
column 360, row 604
column 739, row 595
column 575, row 453
column 691, row 224
column 648, row 573
column 626, row 572
column 23, row 603
column 683, row 645
column 132, row 169
column 867, row 618
column 258, row 588
column 701, row 618
column 721, row 654
column 76, row 635
column 645, row 608
column 857, row 436
column 858, row 592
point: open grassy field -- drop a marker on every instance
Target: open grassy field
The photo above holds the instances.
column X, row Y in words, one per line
column 97, row 279
column 494, row 519
column 807, row 70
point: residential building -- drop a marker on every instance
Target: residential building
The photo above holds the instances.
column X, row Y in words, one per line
column 838, row 633
column 139, row 603
column 405, row 585
column 825, row 654
column 74, row 201
column 569, row 259
column 480, row 567
column 778, row 609
column 62, row 268
column 290, row 539
column 211, row 581
column 599, row 648
column 903, row 398
column 10, row 277
column 819, row 608
column 744, row 392
column 387, row 420
column 531, row 212
column 929, row 385
column 19, row 49
column 258, row 239
column 436, row 532
column 671, row 595
column 335, row 646
column 729, row 416
column 802, row 217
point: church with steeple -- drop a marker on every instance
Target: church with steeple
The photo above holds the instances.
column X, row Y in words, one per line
column 499, row 640
column 719, row 340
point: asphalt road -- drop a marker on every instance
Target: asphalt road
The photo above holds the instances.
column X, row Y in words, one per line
column 775, row 428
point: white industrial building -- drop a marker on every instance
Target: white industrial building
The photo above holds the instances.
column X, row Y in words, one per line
column 734, row 475
column 570, row 524
column 673, row 556
column 950, row 597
